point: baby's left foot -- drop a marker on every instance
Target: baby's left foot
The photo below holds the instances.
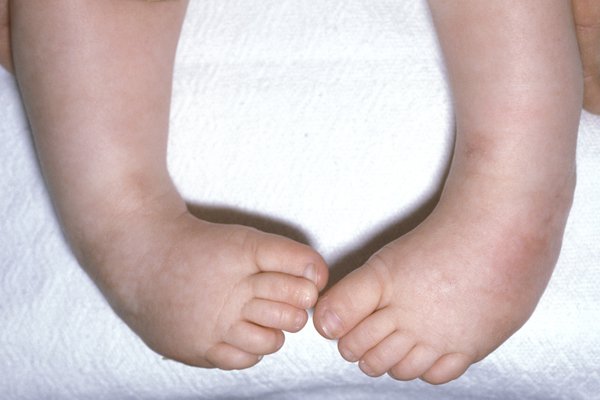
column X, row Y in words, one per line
column 448, row 293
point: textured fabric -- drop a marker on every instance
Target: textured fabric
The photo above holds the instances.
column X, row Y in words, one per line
column 328, row 121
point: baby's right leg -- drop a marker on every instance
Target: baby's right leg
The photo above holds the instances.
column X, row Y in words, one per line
column 95, row 77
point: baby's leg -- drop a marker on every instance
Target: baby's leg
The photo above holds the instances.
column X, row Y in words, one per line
column 95, row 77
column 448, row 293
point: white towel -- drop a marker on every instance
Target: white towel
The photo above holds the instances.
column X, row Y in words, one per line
column 325, row 120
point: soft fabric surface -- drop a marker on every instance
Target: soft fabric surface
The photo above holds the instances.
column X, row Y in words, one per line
column 328, row 121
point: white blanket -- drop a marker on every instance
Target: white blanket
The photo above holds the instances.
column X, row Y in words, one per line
column 327, row 121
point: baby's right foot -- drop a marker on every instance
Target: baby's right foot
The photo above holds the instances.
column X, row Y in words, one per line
column 205, row 294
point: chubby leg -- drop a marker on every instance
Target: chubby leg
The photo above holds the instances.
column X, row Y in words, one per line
column 95, row 77
column 448, row 293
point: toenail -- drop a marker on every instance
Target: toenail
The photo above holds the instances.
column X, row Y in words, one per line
column 299, row 322
column 365, row 368
column 310, row 273
column 332, row 324
column 306, row 301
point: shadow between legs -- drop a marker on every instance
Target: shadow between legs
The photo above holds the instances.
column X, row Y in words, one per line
column 229, row 215
column 348, row 262
column 356, row 257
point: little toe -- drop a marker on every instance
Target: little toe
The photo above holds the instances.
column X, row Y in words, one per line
column 367, row 334
column 415, row 364
column 447, row 368
column 386, row 354
column 254, row 339
column 279, row 254
column 284, row 288
column 348, row 302
column 271, row 314
column 228, row 357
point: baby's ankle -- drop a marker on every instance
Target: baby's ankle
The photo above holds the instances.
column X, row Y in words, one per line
column 117, row 230
column 512, row 189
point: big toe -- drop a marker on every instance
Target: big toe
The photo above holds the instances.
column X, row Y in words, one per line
column 278, row 254
column 348, row 302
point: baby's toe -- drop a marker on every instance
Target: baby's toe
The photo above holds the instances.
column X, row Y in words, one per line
column 278, row 254
column 386, row 354
column 366, row 334
column 348, row 302
column 415, row 364
column 284, row 288
column 271, row 314
column 254, row 339
column 228, row 357
column 447, row 368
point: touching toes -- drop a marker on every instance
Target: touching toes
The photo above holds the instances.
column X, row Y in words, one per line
column 388, row 319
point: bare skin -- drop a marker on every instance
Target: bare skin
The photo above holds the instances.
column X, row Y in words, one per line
column 444, row 296
column 96, row 77
column 427, row 305
column 586, row 15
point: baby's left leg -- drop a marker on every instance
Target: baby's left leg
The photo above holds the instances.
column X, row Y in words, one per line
column 448, row 293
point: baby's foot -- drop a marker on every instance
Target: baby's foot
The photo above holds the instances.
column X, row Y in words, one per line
column 205, row 294
column 448, row 293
